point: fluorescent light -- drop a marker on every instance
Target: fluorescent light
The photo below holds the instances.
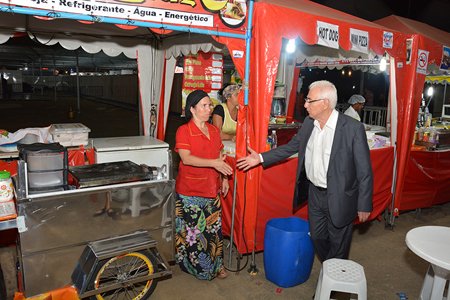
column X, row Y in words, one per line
column 383, row 64
column 290, row 47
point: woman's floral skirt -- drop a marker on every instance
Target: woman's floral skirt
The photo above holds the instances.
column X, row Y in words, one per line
column 198, row 239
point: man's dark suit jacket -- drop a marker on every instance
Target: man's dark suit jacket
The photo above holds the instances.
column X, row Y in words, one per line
column 349, row 177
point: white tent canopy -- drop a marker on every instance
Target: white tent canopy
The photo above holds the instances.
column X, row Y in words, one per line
column 140, row 44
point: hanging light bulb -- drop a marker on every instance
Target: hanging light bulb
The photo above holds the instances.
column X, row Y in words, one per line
column 383, row 64
column 430, row 91
column 343, row 72
column 290, row 47
column 349, row 72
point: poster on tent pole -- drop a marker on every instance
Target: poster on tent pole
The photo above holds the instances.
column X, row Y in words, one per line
column 212, row 14
column 202, row 71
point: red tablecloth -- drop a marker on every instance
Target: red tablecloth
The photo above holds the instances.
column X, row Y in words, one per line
column 427, row 180
column 277, row 190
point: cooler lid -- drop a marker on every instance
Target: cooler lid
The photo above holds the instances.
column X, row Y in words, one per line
column 127, row 143
column 68, row 128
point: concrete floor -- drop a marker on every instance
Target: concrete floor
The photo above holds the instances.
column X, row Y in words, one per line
column 390, row 267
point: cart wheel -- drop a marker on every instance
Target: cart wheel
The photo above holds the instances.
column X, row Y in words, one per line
column 123, row 268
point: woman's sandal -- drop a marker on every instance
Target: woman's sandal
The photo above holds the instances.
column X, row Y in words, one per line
column 100, row 212
column 222, row 273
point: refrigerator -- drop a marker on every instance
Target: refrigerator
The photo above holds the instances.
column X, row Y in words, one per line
column 139, row 149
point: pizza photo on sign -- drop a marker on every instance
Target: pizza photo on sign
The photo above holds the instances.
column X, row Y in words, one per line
column 233, row 14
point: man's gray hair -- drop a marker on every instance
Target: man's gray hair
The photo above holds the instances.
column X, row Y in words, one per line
column 327, row 91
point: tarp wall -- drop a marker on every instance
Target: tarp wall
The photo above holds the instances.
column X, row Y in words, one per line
column 424, row 37
column 273, row 21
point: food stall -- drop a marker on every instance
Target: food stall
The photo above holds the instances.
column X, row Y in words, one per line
column 422, row 174
column 266, row 193
column 55, row 225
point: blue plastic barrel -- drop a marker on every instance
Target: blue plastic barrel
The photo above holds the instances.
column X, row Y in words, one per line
column 288, row 251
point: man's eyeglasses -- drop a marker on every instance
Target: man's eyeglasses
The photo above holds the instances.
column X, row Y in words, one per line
column 309, row 100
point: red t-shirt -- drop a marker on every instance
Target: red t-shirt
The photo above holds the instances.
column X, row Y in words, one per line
column 198, row 181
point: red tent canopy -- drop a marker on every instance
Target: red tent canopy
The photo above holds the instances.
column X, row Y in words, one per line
column 427, row 38
column 273, row 21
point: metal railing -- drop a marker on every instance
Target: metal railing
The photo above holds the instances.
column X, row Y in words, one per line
column 372, row 115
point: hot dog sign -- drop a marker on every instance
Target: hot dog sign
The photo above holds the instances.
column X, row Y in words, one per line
column 328, row 35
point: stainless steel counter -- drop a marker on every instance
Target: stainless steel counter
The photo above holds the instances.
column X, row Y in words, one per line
column 55, row 227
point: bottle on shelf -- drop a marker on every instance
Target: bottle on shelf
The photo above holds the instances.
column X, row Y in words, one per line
column 274, row 139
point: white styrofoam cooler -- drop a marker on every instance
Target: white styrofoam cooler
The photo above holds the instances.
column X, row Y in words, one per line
column 139, row 149
column 70, row 134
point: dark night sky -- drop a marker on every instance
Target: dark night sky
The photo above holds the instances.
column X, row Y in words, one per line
column 432, row 12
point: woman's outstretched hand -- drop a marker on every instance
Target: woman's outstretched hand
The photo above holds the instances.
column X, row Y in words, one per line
column 221, row 166
column 251, row 160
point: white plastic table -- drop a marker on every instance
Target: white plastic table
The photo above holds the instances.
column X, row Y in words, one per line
column 432, row 243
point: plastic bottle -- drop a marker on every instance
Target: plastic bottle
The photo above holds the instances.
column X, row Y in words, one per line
column 428, row 117
column 274, row 139
column 269, row 143
column 6, row 186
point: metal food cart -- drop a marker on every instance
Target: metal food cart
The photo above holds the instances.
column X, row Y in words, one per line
column 55, row 228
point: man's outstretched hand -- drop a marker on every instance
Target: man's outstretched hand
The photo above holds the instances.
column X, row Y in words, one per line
column 248, row 162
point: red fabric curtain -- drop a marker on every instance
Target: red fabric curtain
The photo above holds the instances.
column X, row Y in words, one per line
column 427, row 181
column 277, row 189
column 272, row 23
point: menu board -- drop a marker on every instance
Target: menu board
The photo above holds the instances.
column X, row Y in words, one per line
column 203, row 71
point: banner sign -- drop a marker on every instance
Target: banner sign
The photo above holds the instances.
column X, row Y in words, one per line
column 222, row 14
column 340, row 62
column 328, row 35
column 359, row 40
column 203, row 71
column 422, row 62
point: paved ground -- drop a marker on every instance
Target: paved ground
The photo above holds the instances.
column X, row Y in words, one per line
column 390, row 267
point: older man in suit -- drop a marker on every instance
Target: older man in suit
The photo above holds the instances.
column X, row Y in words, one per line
column 334, row 171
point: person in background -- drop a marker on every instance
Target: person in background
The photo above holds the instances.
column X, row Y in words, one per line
column 356, row 106
column 202, row 175
column 334, row 171
column 225, row 114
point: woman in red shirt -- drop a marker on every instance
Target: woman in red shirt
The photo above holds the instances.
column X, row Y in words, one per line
column 198, row 215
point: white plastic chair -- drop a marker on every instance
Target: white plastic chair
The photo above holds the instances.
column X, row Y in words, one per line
column 341, row 275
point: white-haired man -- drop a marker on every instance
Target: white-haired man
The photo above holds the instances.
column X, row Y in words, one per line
column 334, row 171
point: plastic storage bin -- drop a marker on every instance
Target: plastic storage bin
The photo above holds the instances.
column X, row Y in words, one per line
column 45, row 179
column 70, row 134
column 47, row 166
column 45, row 161
column 288, row 251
